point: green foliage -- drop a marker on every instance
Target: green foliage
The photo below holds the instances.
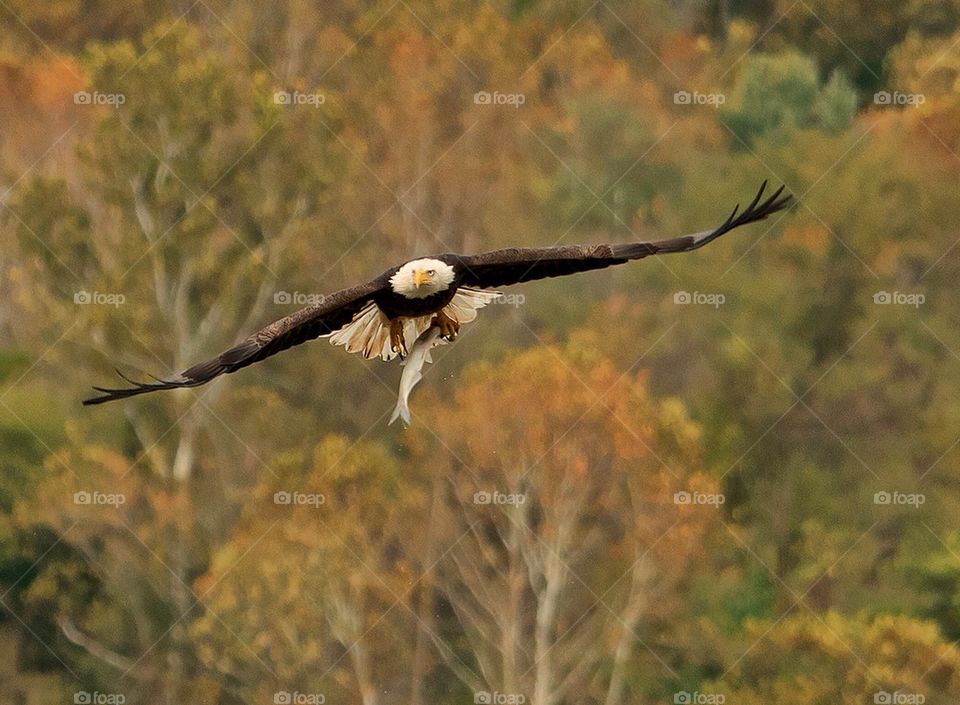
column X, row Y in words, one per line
column 809, row 658
column 69, row 24
column 837, row 103
column 47, row 208
column 782, row 92
column 939, row 576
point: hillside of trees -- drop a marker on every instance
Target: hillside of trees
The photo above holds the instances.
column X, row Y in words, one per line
column 729, row 476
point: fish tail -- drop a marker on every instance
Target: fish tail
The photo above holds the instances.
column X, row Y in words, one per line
column 400, row 411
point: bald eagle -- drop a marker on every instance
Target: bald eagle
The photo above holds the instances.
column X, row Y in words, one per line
column 381, row 317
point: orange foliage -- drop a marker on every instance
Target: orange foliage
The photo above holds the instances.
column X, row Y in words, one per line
column 53, row 82
column 812, row 236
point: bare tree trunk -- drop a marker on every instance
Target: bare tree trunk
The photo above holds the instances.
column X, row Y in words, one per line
column 630, row 616
column 546, row 613
column 512, row 627
column 361, row 666
column 346, row 626
column 425, row 601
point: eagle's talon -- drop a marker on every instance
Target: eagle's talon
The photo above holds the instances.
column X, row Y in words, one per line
column 449, row 327
column 397, row 342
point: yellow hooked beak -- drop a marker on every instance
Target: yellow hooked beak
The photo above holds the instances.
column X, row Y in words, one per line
column 420, row 278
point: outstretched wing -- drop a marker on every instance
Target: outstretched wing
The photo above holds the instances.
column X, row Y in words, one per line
column 515, row 265
column 328, row 316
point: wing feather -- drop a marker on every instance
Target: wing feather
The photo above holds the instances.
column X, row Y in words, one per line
column 482, row 271
column 328, row 316
column 516, row 265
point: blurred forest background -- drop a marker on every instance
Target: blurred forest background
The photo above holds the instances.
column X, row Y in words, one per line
column 725, row 477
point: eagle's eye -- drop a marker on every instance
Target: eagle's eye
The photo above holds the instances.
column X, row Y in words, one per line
column 431, row 272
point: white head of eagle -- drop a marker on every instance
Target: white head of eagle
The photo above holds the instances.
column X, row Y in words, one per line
column 421, row 278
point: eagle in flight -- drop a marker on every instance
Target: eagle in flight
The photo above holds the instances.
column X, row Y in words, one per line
column 383, row 316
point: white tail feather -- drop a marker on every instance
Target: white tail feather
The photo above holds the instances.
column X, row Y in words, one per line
column 369, row 331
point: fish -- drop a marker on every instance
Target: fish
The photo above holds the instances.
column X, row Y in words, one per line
column 412, row 371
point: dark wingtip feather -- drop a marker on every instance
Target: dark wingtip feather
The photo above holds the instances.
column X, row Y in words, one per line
column 112, row 394
column 753, row 213
column 732, row 216
column 140, row 388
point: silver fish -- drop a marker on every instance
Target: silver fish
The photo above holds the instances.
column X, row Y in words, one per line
column 412, row 366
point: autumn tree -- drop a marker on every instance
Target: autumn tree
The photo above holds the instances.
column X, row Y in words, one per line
column 568, row 524
column 808, row 659
column 340, row 525
column 185, row 194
